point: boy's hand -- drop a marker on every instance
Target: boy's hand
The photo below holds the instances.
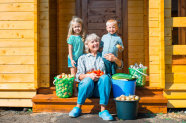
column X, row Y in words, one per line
column 73, row 62
column 110, row 57
column 120, row 48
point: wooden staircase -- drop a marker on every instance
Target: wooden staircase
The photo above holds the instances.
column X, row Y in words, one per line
column 151, row 101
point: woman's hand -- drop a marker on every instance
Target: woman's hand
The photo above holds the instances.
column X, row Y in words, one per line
column 110, row 57
column 73, row 62
column 93, row 76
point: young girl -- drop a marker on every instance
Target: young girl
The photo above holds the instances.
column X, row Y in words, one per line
column 75, row 40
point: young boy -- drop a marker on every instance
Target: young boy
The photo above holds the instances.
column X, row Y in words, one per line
column 111, row 43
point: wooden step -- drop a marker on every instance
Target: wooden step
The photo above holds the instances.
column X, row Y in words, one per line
column 148, row 90
column 151, row 100
column 51, row 103
column 47, row 98
column 139, row 90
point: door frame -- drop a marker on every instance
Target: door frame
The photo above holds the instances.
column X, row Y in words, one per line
column 124, row 18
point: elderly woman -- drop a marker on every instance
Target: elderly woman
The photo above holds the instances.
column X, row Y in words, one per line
column 91, row 84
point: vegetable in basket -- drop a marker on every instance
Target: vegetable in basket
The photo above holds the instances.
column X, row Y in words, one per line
column 127, row 98
column 139, row 71
column 123, row 76
column 97, row 72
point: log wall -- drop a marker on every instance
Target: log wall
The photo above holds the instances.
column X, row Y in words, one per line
column 175, row 72
column 136, row 37
column 17, row 65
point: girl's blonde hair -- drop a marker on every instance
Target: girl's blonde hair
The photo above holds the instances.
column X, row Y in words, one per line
column 70, row 30
column 89, row 38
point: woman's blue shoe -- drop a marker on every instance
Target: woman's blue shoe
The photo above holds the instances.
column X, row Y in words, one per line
column 76, row 111
column 105, row 115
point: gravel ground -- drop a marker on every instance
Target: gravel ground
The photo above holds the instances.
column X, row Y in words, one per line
column 25, row 115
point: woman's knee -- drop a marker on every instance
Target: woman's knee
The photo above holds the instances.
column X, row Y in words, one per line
column 87, row 82
column 105, row 79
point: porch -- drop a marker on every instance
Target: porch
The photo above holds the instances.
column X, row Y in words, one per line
column 133, row 20
column 34, row 49
column 151, row 101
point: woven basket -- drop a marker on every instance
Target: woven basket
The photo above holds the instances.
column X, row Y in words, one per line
column 64, row 87
column 140, row 74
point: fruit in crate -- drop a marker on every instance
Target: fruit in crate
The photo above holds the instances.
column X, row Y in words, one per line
column 127, row 98
column 97, row 72
column 63, row 75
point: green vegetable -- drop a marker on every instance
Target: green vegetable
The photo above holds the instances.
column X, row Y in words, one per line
column 123, row 76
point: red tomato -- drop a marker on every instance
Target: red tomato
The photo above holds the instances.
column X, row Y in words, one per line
column 97, row 72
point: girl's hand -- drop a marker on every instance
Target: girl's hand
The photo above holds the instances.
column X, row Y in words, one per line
column 93, row 76
column 110, row 57
column 73, row 62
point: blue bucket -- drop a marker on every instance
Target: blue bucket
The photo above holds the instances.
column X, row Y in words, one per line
column 126, row 88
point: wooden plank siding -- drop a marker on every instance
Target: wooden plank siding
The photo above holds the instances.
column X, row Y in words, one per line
column 66, row 9
column 136, row 32
column 44, row 44
column 156, row 43
column 174, row 70
column 16, row 102
column 53, row 39
column 146, row 33
column 17, row 52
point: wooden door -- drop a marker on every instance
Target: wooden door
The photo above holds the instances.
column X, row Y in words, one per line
column 95, row 13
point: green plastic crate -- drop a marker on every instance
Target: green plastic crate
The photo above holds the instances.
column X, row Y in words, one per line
column 64, row 87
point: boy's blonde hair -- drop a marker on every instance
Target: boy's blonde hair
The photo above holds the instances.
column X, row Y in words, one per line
column 89, row 38
column 70, row 30
column 112, row 21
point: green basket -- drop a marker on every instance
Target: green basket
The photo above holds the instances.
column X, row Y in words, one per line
column 140, row 74
column 64, row 87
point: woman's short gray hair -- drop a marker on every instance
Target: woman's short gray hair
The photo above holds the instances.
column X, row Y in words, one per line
column 89, row 38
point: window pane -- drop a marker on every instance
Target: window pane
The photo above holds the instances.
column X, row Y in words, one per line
column 178, row 8
column 175, row 36
column 179, row 36
column 174, row 8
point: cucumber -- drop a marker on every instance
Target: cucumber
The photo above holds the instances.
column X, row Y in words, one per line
column 123, row 76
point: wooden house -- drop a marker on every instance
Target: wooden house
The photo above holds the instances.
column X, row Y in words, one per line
column 33, row 49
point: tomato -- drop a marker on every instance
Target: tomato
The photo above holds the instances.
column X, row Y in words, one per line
column 60, row 76
column 101, row 73
column 97, row 72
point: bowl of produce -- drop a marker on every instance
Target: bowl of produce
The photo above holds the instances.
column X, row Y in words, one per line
column 64, row 85
column 127, row 107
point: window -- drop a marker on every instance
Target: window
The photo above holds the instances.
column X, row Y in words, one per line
column 178, row 33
